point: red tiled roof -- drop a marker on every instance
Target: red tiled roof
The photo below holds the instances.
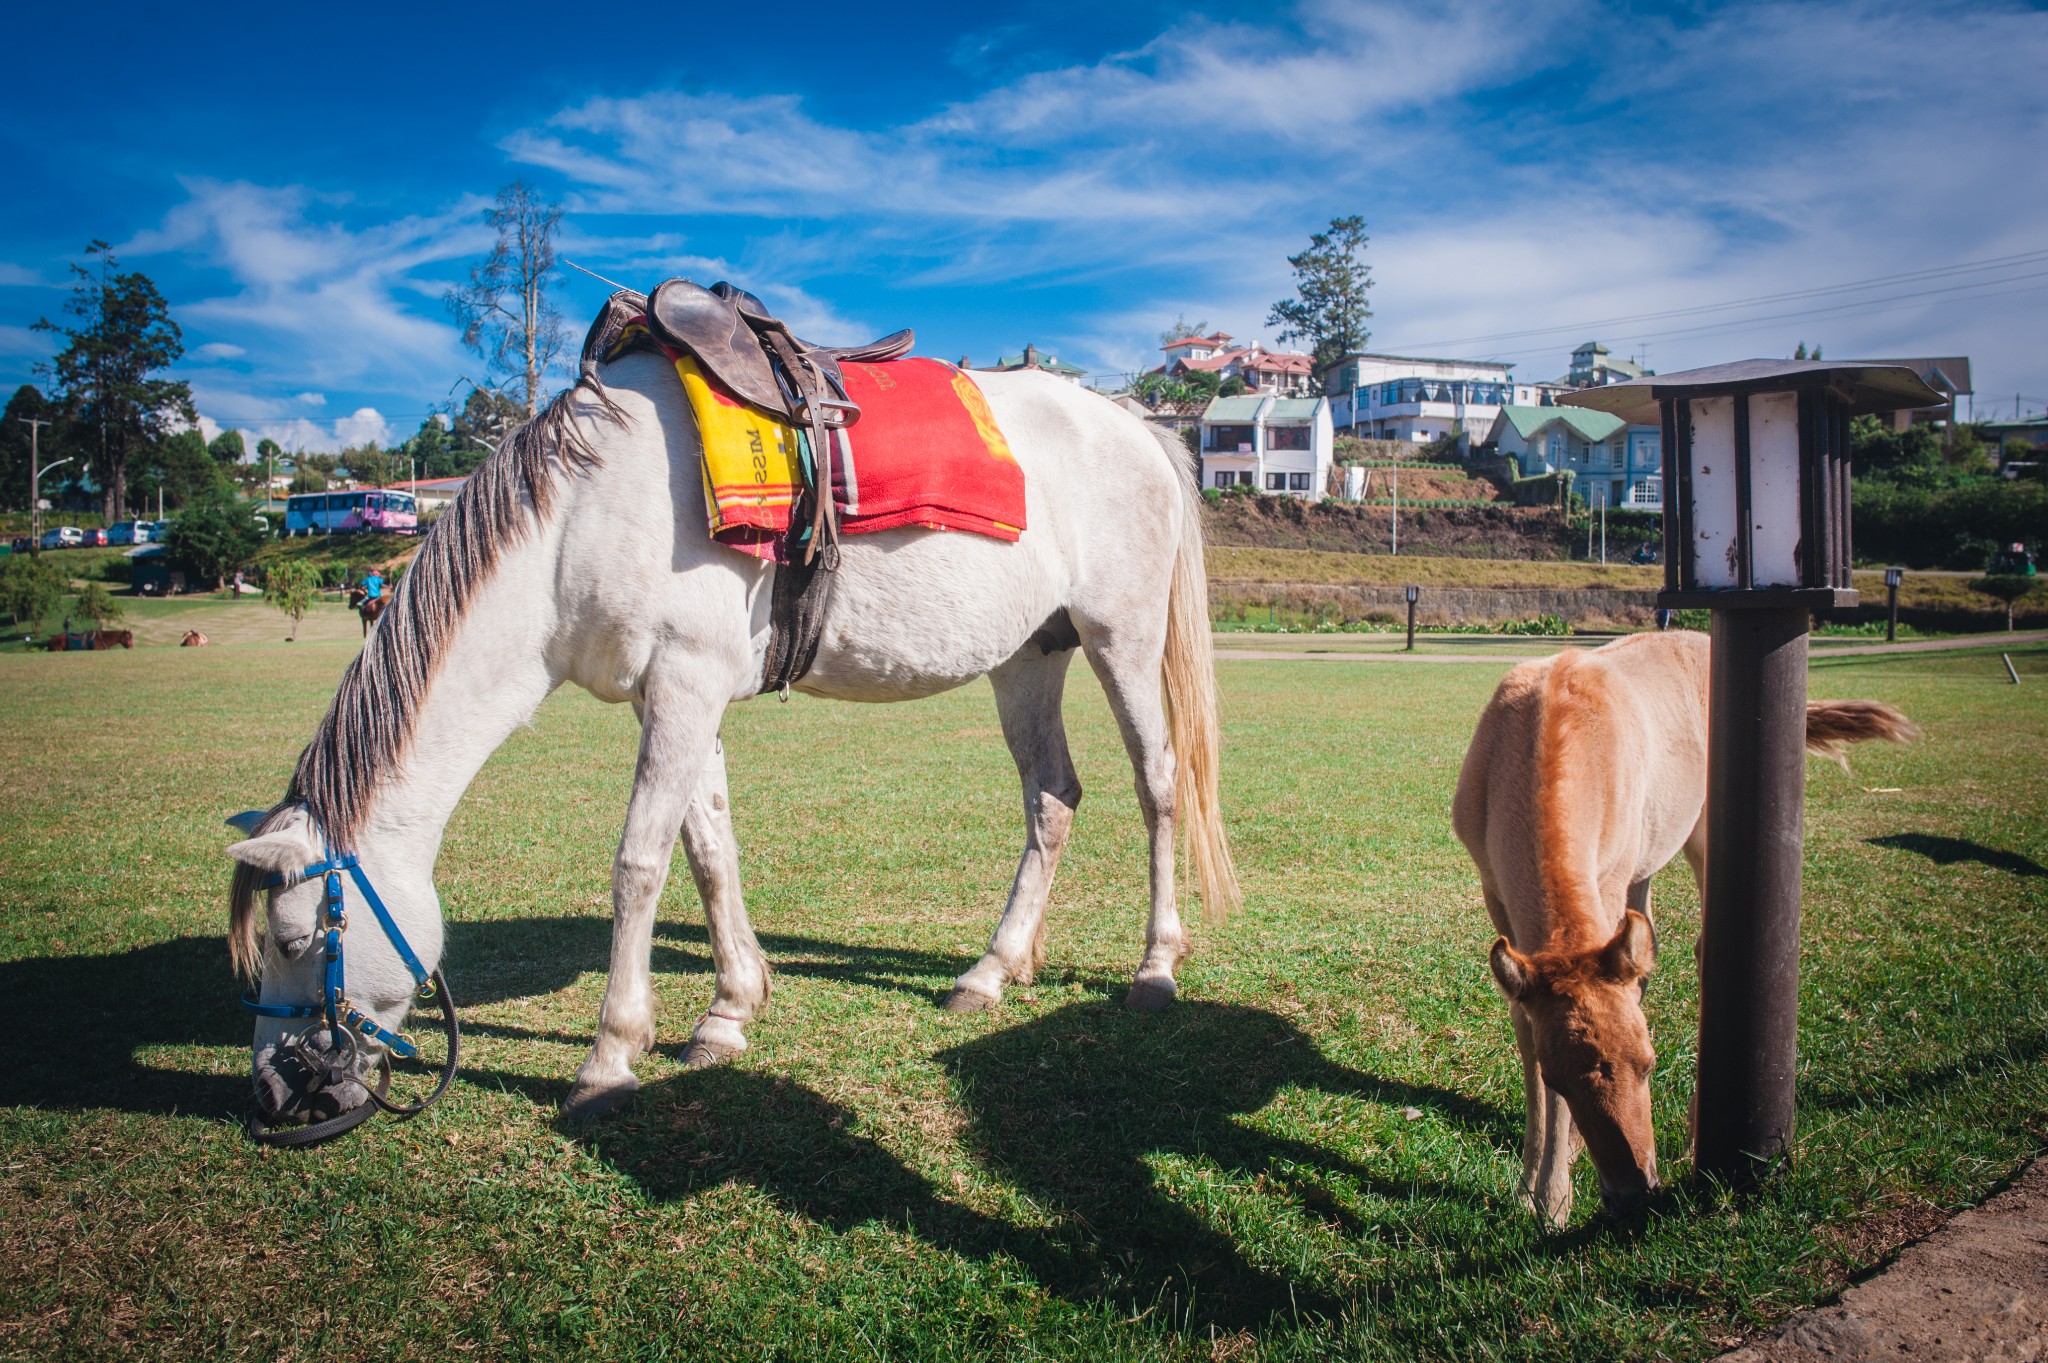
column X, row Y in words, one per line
column 1219, row 338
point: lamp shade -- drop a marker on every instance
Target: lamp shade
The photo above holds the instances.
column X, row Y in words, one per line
column 1756, row 511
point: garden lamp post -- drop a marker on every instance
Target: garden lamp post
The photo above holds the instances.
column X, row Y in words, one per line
column 1756, row 530
column 1891, row 589
column 1413, row 592
column 35, row 498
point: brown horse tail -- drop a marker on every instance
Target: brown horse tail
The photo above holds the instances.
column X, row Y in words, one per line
column 1190, row 680
column 1832, row 725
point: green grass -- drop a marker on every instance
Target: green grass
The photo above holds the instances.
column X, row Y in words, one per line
column 1313, row 1155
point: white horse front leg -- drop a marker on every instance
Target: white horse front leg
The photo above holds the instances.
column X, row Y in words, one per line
column 736, row 959
column 677, row 734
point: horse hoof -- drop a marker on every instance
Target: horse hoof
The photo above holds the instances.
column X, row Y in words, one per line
column 702, row 1054
column 1151, row 996
column 586, row 1101
column 964, row 1000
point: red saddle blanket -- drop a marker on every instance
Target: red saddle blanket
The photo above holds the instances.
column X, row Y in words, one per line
column 926, row 452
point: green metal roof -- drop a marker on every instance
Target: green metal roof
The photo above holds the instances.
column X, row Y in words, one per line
column 1293, row 409
column 1245, row 408
column 1583, row 422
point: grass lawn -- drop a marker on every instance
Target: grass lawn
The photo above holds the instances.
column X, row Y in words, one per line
column 1312, row 1155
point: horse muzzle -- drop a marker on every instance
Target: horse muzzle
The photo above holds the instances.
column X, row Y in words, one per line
column 310, row 1088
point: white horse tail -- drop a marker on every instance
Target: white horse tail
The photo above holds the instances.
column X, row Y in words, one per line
column 1189, row 673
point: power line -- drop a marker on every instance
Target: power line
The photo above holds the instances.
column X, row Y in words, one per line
column 1907, row 277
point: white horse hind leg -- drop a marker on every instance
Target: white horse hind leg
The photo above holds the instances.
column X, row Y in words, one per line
column 1028, row 690
column 741, row 969
column 1131, row 678
column 677, row 734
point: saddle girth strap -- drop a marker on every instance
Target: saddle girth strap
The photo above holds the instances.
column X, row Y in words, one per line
column 796, row 621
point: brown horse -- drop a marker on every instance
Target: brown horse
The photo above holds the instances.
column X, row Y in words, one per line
column 194, row 639
column 368, row 609
column 1587, row 775
column 91, row 640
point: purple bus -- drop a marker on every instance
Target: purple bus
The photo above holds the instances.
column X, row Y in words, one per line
column 348, row 513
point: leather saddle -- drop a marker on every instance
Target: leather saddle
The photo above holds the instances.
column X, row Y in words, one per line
column 751, row 353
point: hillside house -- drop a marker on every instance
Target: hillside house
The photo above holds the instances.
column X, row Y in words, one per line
column 1948, row 375
column 1281, row 445
column 1263, row 371
column 1034, row 358
column 1611, row 461
column 1594, row 366
column 1406, row 397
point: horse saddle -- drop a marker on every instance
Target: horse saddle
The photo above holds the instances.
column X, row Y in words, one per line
column 751, row 353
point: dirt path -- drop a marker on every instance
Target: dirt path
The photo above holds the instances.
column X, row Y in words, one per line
column 1975, row 1289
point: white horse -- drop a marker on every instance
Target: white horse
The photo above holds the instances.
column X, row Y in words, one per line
column 579, row 553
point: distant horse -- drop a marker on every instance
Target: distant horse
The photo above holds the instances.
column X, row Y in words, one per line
column 1587, row 775
column 194, row 639
column 368, row 608
column 91, row 640
column 578, row 552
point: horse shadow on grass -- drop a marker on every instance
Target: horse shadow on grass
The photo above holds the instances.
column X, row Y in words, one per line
column 1075, row 1109
column 81, row 1028
column 1944, row 851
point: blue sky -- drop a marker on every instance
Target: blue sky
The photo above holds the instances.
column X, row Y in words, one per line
column 304, row 183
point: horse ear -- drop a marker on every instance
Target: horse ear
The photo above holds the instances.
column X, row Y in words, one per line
column 1633, row 952
column 1511, row 970
column 247, row 821
column 288, row 849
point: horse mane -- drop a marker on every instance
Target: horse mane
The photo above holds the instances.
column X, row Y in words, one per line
column 369, row 726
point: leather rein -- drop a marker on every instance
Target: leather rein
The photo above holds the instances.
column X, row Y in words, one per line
column 346, row 1024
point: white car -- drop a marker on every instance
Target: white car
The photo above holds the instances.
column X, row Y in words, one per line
column 63, row 537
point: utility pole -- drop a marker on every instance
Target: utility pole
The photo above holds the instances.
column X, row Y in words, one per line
column 1394, row 482
column 35, row 504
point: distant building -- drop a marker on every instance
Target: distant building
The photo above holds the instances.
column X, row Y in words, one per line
column 1593, row 366
column 1407, row 397
column 2021, row 444
column 1034, row 358
column 1262, row 370
column 431, row 494
column 1948, row 375
column 1610, row 460
column 1275, row 444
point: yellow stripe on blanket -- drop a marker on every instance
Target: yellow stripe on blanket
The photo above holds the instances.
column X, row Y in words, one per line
column 752, row 465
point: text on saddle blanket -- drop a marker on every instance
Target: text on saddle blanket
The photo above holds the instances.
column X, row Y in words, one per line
column 926, row 452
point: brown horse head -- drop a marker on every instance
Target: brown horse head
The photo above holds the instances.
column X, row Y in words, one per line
column 1593, row 1048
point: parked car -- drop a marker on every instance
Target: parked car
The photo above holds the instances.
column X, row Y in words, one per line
column 92, row 539
column 131, row 532
column 63, row 537
column 22, row 544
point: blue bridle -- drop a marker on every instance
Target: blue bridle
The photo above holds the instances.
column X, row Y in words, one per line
column 344, row 1021
column 334, row 1006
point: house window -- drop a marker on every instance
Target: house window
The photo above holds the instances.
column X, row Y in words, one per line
column 1297, row 482
column 1226, row 479
column 1287, row 437
column 1276, row 482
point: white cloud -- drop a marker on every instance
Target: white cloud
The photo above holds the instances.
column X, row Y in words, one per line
column 218, row 350
column 362, row 426
column 311, row 399
column 21, row 277
column 1520, row 166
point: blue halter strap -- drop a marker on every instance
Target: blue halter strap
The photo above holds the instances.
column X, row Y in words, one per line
column 334, row 1007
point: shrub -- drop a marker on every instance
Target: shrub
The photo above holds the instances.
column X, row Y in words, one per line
column 291, row 586
column 30, row 587
column 213, row 536
column 2008, row 589
column 97, row 604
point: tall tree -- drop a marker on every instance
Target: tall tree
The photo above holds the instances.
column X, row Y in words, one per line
column 1181, row 329
column 18, row 441
column 124, row 335
column 504, row 310
column 1331, row 282
column 227, row 447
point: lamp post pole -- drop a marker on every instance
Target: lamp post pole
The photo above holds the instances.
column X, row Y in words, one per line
column 1413, row 592
column 35, row 497
column 1891, row 619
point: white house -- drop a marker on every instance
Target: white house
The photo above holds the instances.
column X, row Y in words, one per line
column 1614, row 462
column 1275, row 444
column 1407, row 397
